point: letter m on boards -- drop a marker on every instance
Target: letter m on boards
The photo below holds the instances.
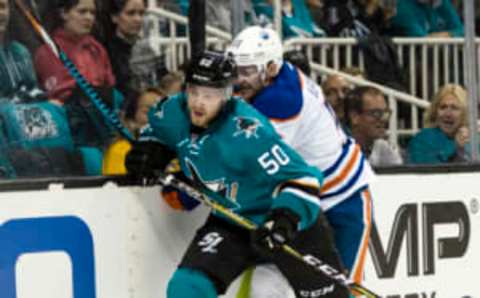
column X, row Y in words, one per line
column 405, row 229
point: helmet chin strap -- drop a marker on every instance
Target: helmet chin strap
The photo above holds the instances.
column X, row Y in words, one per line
column 263, row 75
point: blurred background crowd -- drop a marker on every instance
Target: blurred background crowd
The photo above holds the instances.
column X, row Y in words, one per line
column 131, row 52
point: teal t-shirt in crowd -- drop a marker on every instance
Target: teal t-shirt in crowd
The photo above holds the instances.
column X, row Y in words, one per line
column 297, row 24
column 415, row 19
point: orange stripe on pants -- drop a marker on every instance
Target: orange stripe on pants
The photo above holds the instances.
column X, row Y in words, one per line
column 357, row 270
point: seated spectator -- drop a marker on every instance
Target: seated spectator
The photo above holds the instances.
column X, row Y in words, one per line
column 296, row 19
column 123, row 30
column 35, row 139
column 354, row 18
column 71, row 23
column 135, row 118
column 336, row 88
column 445, row 134
column 426, row 18
column 135, row 64
column 368, row 115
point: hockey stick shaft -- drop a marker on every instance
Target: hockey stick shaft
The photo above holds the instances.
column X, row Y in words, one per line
column 108, row 114
column 204, row 196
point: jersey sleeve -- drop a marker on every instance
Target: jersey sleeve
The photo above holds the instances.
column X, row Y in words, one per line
column 296, row 185
column 166, row 122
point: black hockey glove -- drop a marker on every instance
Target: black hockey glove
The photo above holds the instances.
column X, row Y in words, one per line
column 280, row 228
column 147, row 157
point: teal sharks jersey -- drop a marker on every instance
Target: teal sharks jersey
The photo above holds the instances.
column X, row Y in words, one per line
column 240, row 157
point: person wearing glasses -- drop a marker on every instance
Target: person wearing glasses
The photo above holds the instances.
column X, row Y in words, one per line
column 368, row 116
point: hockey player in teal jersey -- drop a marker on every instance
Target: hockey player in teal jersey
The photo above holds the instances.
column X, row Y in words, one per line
column 224, row 144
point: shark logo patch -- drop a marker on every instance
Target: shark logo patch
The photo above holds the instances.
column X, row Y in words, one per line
column 247, row 127
column 226, row 194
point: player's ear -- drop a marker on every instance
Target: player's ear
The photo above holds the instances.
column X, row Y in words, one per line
column 272, row 70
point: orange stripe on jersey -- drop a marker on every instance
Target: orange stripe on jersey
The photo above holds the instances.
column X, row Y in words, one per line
column 285, row 119
column 330, row 184
column 357, row 270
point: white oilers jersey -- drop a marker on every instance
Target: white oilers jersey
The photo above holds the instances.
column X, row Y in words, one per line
column 297, row 108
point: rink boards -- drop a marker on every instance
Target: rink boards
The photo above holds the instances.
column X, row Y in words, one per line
column 124, row 242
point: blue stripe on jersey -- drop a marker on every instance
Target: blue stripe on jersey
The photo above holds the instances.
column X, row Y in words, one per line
column 345, row 219
column 286, row 92
column 350, row 183
column 340, row 159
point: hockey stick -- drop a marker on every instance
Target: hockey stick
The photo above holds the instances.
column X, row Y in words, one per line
column 204, row 196
column 109, row 115
column 170, row 180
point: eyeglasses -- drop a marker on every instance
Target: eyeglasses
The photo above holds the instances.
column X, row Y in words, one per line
column 379, row 114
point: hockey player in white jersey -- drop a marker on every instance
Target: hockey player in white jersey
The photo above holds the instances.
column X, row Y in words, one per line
column 297, row 108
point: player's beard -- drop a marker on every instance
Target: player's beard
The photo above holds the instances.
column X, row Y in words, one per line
column 198, row 118
column 247, row 91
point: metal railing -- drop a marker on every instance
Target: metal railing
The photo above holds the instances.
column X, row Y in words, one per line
column 428, row 62
column 394, row 97
column 175, row 48
column 436, row 62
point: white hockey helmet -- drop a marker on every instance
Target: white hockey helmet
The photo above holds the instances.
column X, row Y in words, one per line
column 258, row 46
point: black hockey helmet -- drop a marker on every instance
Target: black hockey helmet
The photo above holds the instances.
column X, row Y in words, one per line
column 211, row 69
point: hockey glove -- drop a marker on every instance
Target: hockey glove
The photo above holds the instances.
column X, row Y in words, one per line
column 280, row 228
column 174, row 198
column 147, row 157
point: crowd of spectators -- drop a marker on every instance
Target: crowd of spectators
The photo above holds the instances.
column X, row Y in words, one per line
column 49, row 124
column 343, row 18
column 50, row 127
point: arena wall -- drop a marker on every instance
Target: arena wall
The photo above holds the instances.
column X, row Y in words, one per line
column 116, row 240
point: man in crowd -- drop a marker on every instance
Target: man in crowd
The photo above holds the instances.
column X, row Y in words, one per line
column 368, row 115
column 336, row 88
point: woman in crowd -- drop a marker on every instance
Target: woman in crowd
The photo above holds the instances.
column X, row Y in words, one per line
column 122, row 31
column 71, row 24
column 446, row 134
